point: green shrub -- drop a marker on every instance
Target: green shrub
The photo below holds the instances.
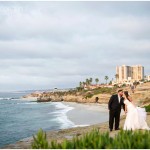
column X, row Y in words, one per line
column 92, row 140
column 147, row 108
column 104, row 90
column 124, row 85
column 96, row 140
column 131, row 140
column 88, row 95
column 116, row 85
column 40, row 141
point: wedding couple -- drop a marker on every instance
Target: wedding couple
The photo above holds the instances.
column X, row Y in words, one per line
column 135, row 116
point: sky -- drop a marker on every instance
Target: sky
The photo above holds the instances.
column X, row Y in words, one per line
column 44, row 45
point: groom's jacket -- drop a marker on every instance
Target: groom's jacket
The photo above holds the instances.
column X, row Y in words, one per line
column 114, row 103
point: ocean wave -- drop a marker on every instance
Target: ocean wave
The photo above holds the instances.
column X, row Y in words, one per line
column 61, row 111
column 28, row 103
column 8, row 98
column 85, row 125
column 65, row 122
column 62, row 106
column 61, row 115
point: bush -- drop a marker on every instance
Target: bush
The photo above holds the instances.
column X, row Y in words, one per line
column 131, row 140
column 147, row 108
column 88, row 95
column 92, row 140
column 96, row 140
column 40, row 141
column 104, row 90
column 123, row 85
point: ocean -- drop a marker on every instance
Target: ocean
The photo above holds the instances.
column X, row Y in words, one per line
column 20, row 118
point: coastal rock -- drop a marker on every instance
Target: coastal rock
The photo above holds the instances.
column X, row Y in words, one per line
column 43, row 99
column 58, row 97
column 33, row 95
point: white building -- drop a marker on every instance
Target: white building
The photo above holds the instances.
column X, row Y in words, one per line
column 148, row 77
column 129, row 74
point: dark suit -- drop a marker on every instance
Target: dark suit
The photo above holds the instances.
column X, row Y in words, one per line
column 114, row 110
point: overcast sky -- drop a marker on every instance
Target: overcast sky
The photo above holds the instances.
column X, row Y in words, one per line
column 44, row 45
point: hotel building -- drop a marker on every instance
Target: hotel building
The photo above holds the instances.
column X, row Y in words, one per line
column 129, row 73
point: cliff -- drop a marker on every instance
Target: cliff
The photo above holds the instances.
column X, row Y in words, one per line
column 85, row 97
column 141, row 96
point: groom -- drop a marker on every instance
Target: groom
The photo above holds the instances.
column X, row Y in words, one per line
column 114, row 106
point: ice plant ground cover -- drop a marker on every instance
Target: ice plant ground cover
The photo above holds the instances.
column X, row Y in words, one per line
column 96, row 140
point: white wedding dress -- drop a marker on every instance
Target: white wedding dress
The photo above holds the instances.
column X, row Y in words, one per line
column 136, row 117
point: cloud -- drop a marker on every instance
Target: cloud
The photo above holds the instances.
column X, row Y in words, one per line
column 59, row 44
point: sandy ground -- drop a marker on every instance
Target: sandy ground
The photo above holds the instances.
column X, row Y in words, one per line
column 87, row 114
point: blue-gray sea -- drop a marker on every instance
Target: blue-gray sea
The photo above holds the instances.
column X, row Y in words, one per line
column 21, row 118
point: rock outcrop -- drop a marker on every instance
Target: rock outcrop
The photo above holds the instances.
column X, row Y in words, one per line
column 79, row 98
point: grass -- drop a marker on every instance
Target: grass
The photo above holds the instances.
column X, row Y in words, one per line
column 100, row 90
column 104, row 90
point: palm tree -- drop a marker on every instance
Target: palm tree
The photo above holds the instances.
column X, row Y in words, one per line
column 90, row 80
column 83, row 83
column 80, row 84
column 96, row 80
column 87, row 81
column 106, row 78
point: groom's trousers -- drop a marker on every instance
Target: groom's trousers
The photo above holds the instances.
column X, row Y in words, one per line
column 114, row 115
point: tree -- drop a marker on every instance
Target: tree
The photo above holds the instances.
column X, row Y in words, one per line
column 106, row 78
column 87, row 81
column 90, row 80
column 83, row 83
column 96, row 80
column 110, row 83
column 80, row 84
column 78, row 89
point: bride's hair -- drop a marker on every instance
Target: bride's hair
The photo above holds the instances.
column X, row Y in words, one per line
column 126, row 94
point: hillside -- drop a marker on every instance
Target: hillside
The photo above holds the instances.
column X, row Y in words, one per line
column 141, row 96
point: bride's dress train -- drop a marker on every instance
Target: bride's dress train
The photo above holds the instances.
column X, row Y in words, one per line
column 136, row 117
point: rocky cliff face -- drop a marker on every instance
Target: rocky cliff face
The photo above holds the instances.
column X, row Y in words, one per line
column 141, row 96
column 58, row 97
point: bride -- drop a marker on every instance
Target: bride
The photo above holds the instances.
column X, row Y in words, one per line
column 136, row 116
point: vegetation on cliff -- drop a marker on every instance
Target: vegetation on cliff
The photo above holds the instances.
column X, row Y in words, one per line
column 100, row 90
column 96, row 140
column 147, row 108
column 76, row 95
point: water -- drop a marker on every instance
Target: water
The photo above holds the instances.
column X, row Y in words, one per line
column 20, row 118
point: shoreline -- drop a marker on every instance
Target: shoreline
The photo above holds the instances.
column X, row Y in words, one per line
column 86, row 114
column 73, row 116
column 60, row 135
column 81, row 125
